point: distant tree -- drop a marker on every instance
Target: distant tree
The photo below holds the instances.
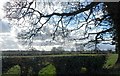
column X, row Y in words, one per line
column 32, row 49
column 72, row 49
column 60, row 49
column 79, row 47
column 54, row 49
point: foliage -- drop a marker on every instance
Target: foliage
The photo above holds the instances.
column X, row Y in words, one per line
column 85, row 63
column 48, row 71
column 14, row 71
column 73, row 64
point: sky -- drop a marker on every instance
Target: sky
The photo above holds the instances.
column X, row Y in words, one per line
column 8, row 40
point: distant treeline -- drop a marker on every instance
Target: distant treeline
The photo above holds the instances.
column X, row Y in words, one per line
column 36, row 52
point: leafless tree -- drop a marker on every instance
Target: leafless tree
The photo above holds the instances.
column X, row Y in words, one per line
column 64, row 19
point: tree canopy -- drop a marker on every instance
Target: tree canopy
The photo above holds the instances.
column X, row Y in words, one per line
column 61, row 20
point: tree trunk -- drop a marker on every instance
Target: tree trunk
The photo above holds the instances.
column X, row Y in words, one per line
column 114, row 11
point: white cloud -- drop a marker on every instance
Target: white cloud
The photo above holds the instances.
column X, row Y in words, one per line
column 7, row 42
column 106, row 47
column 7, row 37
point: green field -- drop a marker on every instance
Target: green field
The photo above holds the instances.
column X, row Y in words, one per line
column 50, row 69
column 112, row 58
column 60, row 55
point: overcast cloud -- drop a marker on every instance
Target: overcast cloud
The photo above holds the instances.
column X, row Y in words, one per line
column 8, row 38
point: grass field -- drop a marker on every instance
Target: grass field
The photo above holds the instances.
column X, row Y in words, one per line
column 112, row 58
column 60, row 55
column 50, row 69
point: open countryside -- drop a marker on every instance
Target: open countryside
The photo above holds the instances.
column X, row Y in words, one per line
column 60, row 38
